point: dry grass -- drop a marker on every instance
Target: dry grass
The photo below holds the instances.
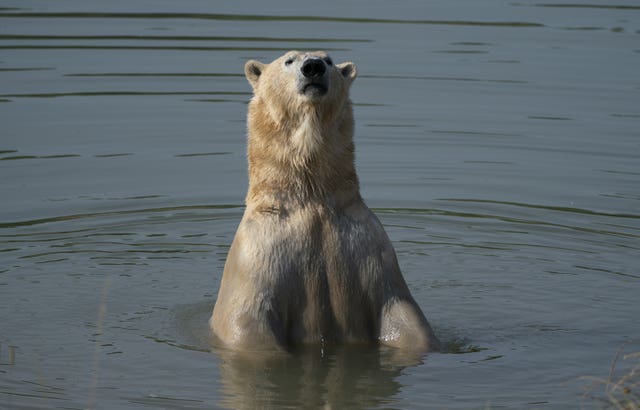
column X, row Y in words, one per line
column 621, row 389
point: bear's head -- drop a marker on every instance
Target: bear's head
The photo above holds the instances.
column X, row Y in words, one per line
column 300, row 123
column 300, row 82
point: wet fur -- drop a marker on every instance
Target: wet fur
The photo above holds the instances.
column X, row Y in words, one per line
column 310, row 263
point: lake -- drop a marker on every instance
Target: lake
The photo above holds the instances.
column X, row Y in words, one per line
column 498, row 142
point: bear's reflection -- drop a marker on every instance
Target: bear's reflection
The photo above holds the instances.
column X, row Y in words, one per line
column 314, row 377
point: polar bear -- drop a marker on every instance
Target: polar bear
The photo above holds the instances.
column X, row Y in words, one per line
column 310, row 263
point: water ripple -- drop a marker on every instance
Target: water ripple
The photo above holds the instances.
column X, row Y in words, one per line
column 155, row 75
column 249, row 17
column 15, row 224
column 183, row 38
column 120, row 93
column 588, row 6
column 148, row 48
column 441, row 78
column 546, row 207
column 56, row 156
column 201, row 154
column 515, row 220
column 20, row 69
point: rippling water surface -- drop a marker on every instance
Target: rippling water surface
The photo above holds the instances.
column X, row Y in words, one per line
column 498, row 142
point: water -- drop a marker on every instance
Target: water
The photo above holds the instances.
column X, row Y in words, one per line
column 498, row 143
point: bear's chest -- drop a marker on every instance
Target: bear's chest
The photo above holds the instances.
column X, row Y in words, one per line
column 318, row 266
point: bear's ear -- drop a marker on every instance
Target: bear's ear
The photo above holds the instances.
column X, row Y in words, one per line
column 348, row 71
column 252, row 70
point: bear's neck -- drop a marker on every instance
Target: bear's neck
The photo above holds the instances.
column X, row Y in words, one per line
column 300, row 160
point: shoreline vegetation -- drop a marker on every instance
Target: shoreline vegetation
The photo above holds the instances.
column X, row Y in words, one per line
column 621, row 389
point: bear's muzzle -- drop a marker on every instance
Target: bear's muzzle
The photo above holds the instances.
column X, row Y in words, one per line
column 314, row 81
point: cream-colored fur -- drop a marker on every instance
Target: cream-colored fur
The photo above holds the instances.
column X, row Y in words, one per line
column 310, row 263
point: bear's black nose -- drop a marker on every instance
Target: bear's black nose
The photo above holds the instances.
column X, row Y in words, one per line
column 313, row 68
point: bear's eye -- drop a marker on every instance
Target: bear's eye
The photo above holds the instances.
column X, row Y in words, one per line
column 328, row 60
column 289, row 61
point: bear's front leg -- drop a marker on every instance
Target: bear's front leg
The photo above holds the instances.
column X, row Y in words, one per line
column 403, row 325
column 248, row 327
